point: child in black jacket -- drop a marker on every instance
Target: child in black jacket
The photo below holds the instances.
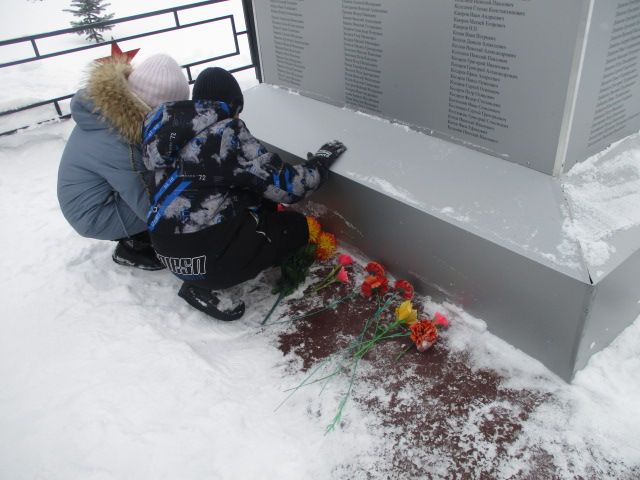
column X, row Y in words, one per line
column 213, row 219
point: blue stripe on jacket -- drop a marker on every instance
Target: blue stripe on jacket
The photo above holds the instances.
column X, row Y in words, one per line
column 167, row 201
column 287, row 180
column 165, row 186
column 152, row 123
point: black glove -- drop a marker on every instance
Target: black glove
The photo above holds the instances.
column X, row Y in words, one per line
column 328, row 153
column 324, row 158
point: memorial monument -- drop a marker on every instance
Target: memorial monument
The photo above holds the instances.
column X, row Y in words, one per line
column 459, row 117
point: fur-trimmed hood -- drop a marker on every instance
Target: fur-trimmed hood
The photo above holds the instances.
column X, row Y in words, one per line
column 108, row 97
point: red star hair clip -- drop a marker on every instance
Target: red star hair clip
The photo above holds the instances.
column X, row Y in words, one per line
column 117, row 53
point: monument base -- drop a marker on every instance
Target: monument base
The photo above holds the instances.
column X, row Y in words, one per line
column 487, row 233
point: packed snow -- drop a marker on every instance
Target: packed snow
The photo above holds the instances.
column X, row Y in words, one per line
column 604, row 197
column 107, row 374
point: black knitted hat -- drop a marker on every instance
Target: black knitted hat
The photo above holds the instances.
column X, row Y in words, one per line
column 215, row 83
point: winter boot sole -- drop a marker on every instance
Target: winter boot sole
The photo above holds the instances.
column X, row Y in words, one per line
column 127, row 263
column 189, row 295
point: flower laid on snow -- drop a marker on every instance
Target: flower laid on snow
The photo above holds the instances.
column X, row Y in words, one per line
column 424, row 334
column 337, row 274
column 326, row 246
column 405, row 313
column 374, row 285
column 374, row 268
column 377, row 328
column 345, row 260
column 295, row 268
column 440, row 321
column 325, row 241
column 342, row 275
column 405, row 288
column 314, row 229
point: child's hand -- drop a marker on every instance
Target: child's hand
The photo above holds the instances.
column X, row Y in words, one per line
column 331, row 150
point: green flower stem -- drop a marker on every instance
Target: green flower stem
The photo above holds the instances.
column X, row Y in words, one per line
column 384, row 335
column 388, row 299
column 317, row 380
column 278, row 300
column 328, row 280
column 343, row 401
column 306, row 379
column 403, row 353
column 356, row 360
column 319, row 310
column 366, row 346
column 352, row 353
column 325, row 285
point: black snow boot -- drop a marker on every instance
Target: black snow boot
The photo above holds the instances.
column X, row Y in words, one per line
column 212, row 302
column 136, row 251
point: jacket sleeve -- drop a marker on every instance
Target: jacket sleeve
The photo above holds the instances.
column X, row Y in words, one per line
column 266, row 173
column 128, row 183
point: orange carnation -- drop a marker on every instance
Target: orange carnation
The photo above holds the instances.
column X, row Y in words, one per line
column 424, row 334
column 314, row 229
column 374, row 284
column 326, row 245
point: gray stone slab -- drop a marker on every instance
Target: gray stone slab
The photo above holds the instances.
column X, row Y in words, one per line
column 515, row 207
column 466, row 70
column 543, row 83
column 608, row 95
column 487, row 234
column 531, row 306
column 614, row 305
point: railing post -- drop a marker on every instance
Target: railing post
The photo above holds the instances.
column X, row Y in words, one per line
column 252, row 36
column 250, row 32
column 35, row 47
column 235, row 34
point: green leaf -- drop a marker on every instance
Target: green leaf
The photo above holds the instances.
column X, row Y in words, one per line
column 294, row 270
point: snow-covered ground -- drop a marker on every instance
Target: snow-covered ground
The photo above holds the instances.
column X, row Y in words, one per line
column 106, row 374
column 604, row 195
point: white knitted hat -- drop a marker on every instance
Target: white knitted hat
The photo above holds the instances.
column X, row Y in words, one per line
column 159, row 79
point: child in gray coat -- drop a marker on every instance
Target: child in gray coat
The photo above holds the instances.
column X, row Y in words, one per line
column 101, row 178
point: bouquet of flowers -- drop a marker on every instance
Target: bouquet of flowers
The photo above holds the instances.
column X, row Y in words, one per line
column 380, row 326
column 295, row 269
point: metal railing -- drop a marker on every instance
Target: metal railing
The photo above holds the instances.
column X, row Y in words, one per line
column 55, row 102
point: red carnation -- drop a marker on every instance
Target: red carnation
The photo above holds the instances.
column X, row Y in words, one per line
column 374, row 284
column 374, row 268
column 405, row 288
column 424, row 334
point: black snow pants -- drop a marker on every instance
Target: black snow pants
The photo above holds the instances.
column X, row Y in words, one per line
column 231, row 252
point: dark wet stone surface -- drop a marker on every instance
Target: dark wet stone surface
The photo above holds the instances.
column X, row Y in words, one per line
column 441, row 417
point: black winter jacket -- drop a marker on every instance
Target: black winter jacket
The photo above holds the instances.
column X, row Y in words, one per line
column 213, row 219
column 208, row 169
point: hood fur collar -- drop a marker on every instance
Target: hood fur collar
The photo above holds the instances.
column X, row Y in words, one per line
column 107, row 87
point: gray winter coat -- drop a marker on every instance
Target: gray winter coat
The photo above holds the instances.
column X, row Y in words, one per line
column 101, row 189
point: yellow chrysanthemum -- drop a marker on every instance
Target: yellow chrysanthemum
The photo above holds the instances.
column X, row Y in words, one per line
column 314, row 229
column 326, row 245
column 406, row 313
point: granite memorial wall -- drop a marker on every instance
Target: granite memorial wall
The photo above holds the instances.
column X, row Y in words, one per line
column 542, row 83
